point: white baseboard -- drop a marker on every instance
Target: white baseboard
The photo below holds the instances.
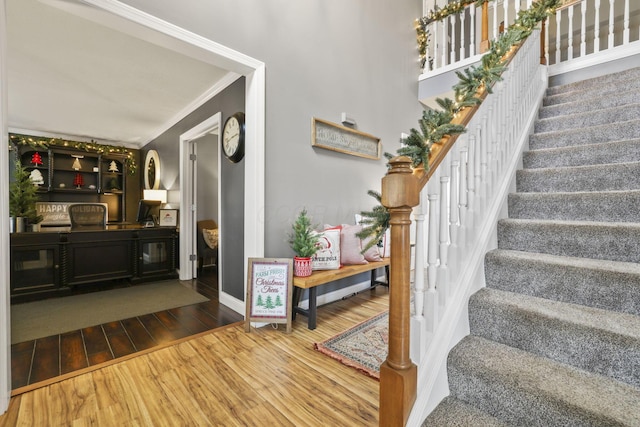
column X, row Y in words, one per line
column 233, row 303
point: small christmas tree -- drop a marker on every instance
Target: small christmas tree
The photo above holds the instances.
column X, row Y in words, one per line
column 78, row 181
column 36, row 159
column 303, row 239
column 23, row 196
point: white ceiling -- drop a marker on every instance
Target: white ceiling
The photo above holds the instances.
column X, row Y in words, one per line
column 71, row 77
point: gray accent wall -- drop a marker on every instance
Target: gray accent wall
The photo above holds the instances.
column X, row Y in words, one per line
column 229, row 101
column 322, row 58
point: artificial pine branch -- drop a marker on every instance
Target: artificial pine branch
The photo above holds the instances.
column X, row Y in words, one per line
column 434, row 125
column 374, row 223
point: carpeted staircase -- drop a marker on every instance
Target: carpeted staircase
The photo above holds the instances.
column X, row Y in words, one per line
column 555, row 335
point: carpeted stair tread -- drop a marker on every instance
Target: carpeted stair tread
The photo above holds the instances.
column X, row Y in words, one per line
column 584, row 136
column 587, row 239
column 586, row 84
column 525, row 389
column 599, row 341
column 456, row 413
column 613, row 176
column 580, row 106
column 591, row 118
column 603, row 206
column 607, row 89
column 624, row 151
column 604, row 284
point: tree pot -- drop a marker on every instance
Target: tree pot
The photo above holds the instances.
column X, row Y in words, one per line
column 302, row 266
column 18, row 224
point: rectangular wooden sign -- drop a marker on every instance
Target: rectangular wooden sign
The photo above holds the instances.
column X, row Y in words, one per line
column 269, row 291
column 342, row 139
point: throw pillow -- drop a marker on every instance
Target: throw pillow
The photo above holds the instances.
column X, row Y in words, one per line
column 351, row 245
column 328, row 255
column 210, row 237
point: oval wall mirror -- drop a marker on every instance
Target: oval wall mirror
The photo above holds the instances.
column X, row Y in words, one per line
column 152, row 170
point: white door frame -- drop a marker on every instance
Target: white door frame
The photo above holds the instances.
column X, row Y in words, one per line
column 5, row 318
column 155, row 30
column 188, row 187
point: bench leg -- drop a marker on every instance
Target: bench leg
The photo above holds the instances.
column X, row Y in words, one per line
column 375, row 282
column 313, row 294
column 295, row 301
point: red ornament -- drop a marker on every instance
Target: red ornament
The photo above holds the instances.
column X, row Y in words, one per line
column 78, row 181
column 36, row 159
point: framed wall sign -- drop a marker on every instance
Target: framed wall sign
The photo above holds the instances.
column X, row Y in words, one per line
column 342, row 139
column 168, row 218
column 269, row 291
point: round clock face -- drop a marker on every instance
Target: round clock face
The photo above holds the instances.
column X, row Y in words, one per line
column 233, row 137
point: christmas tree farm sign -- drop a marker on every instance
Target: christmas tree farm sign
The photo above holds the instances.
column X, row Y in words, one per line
column 269, row 291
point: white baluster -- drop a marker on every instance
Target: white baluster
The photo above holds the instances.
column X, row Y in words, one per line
column 436, row 45
column 505, row 5
column 464, row 200
column 477, row 171
column 611, row 22
column 432, row 314
column 625, row 32
column 472, row 30
column 596, row 28
column 463, row 15
column 418, row 322
column 419, row 260
column 570, row 34
column 454, row 217
column 443, row 268
column 471, row 187
column 558, row 45
column 583, row 29
column 445, row 41
column 452, row 47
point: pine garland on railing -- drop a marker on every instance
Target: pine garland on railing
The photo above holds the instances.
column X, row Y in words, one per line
column 44, row 143
column 435, row 125
column 438, row 14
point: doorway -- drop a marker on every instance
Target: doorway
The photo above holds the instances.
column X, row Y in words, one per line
column 200, row 190
column 163, row 33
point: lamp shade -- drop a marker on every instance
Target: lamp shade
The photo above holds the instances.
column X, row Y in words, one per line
column 155, row 195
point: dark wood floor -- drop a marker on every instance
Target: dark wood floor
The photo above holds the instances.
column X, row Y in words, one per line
column 45, row 358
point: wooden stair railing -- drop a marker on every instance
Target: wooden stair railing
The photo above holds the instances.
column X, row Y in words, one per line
column 401, row 189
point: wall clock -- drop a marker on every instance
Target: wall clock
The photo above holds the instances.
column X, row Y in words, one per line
column 152, row 170
column 233, row 137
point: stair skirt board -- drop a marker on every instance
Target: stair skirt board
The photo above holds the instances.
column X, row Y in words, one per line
column 555, row 334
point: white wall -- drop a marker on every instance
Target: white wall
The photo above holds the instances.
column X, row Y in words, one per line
column 322, row 58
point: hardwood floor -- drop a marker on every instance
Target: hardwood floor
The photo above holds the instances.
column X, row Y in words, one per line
column 225, row 377
column 46, row 358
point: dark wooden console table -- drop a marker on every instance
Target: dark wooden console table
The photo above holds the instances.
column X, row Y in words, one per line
column 48, row 263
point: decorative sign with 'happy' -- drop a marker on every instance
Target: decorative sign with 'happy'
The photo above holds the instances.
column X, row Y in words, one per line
column 269, row 291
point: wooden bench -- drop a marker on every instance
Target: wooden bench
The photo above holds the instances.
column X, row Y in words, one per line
column 321, row 277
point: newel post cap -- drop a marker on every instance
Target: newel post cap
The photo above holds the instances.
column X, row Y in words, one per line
column 400, row 187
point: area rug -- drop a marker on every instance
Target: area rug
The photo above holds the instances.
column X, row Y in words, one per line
column 363, row 347
column 58, row 315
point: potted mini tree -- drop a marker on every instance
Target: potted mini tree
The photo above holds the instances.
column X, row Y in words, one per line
column 303, row 240
column 22, row 200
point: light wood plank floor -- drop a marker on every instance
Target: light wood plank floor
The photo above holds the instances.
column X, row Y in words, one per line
column 225, row 378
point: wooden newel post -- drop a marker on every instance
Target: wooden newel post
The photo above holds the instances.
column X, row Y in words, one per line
column 398, row 375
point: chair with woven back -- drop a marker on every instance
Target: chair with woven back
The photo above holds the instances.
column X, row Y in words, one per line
column 207, row 230
column 88, row 216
